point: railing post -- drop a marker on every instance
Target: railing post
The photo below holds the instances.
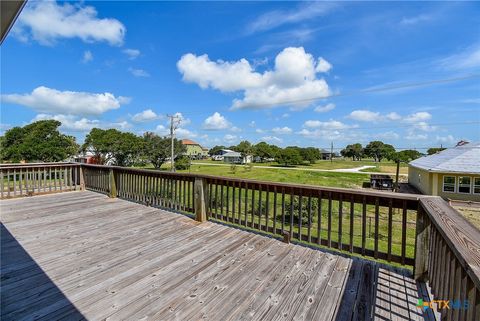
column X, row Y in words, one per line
column 422, row 246
column 113, row 184
column 200, row 189
column 81, row 177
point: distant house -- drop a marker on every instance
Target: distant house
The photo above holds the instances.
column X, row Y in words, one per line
column 194, row 150
column 453, row 173
column 236, row 158
column 218, row 156
column 325, row 154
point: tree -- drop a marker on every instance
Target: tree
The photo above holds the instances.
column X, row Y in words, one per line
column 215, row 149
column 434, row 150
column 379, row 150
column 157, row 149
column 113, row 146
column 310, row 154
column 405, row 155
column 38, row 141
column 263, row 150
column 244, row 148
column 355, row 151
column 289, row 156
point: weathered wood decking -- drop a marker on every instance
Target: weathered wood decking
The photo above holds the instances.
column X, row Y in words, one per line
column 82, row 255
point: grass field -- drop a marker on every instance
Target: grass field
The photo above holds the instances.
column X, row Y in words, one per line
column 382, row 167
column 348, row 180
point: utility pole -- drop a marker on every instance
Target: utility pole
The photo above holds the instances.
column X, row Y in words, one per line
column 173, row 124
column 331, row 152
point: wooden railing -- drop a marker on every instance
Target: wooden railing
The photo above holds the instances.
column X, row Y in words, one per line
column 155, row 188
column 332, row 217
column 414, row 230
column 38, row 178
column 448, row 257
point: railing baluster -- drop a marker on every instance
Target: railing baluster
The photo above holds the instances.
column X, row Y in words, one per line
column 246, row 204
column 14, row 182
column 352, row 218
column 404, row 231
column 319, row 222
column 390, row 219
column 376, row 228
column 300, row 215
column 309, row 233
column 283, row 210
column 253, row 207
column 259, row 207
column 340, row 221
column 275, row 209
column 233, row 202
column 267, row 210
column 221, row 202
column 364, row 223
column 329, row 231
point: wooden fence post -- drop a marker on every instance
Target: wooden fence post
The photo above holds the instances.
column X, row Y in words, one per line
column 113, row 184
column 422, row 246
column 81, row 177
column 200, row 188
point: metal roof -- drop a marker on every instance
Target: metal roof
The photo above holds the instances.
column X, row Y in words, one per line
column 232, row 154
column 460, row 159
column 9, row 13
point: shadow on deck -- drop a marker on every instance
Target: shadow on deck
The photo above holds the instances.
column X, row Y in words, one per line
column 82, row 255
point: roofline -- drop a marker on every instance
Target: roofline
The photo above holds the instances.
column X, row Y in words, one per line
column 9, row 17
column 444, row 171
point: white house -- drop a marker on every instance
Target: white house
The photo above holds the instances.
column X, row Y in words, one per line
column 236, row 158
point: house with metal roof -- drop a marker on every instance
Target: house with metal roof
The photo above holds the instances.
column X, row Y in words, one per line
column 453, row 173
column 236, row 158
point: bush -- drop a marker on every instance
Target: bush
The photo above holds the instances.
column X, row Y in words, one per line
column 233, row 168
column 300, row 212
column 182, row 163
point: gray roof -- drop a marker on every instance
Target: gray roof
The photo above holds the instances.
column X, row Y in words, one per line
column 232, row 154
column 460, row 159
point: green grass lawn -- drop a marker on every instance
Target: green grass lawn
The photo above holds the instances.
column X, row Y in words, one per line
column 382, row 167
column 348, row 180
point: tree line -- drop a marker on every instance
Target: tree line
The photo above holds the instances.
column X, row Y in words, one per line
column 42, row 141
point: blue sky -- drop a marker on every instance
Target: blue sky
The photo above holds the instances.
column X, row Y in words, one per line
column 290, row 73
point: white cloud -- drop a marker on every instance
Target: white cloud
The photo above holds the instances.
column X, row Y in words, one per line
column 423, row 126
column 131, row 53
column 324, row 109
column 292, row 81
column 393, row 116
column 272, row 139
column 259, row 131
column 323, row 65
column 329, row 134
column 47, row 21
column 414, row 136
column 387, row 135
column 76, row 124
column 184, row 133
column 216, row 122
column 409, row 21
column 469, row 58
column 416, row 117
column 365, row 115
column 285, row 115
column 329, row 125
column 282, row 131
column 181, row 120
column 87, row 56
column 252, row 124
column 48, row 100
column 449, row 139
column 162, row 130
column 145, row 116
column 230, row 138
column 138, row 72
column 235, row 129
column 276, row 18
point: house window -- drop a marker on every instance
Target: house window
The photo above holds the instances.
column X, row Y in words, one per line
column 449, row 184
column 476, row 185
column 464, row 184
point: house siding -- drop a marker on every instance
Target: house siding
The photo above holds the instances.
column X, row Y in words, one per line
column 432, row 184
column 420, row 179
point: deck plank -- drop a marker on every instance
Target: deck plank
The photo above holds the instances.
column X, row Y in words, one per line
column 82, row 255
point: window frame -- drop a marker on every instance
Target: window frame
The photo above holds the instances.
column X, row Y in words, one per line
column 454, row 184
column 473, row 189
column 464, row 185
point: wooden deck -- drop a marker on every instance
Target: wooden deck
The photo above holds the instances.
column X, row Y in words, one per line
column 81, row 255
